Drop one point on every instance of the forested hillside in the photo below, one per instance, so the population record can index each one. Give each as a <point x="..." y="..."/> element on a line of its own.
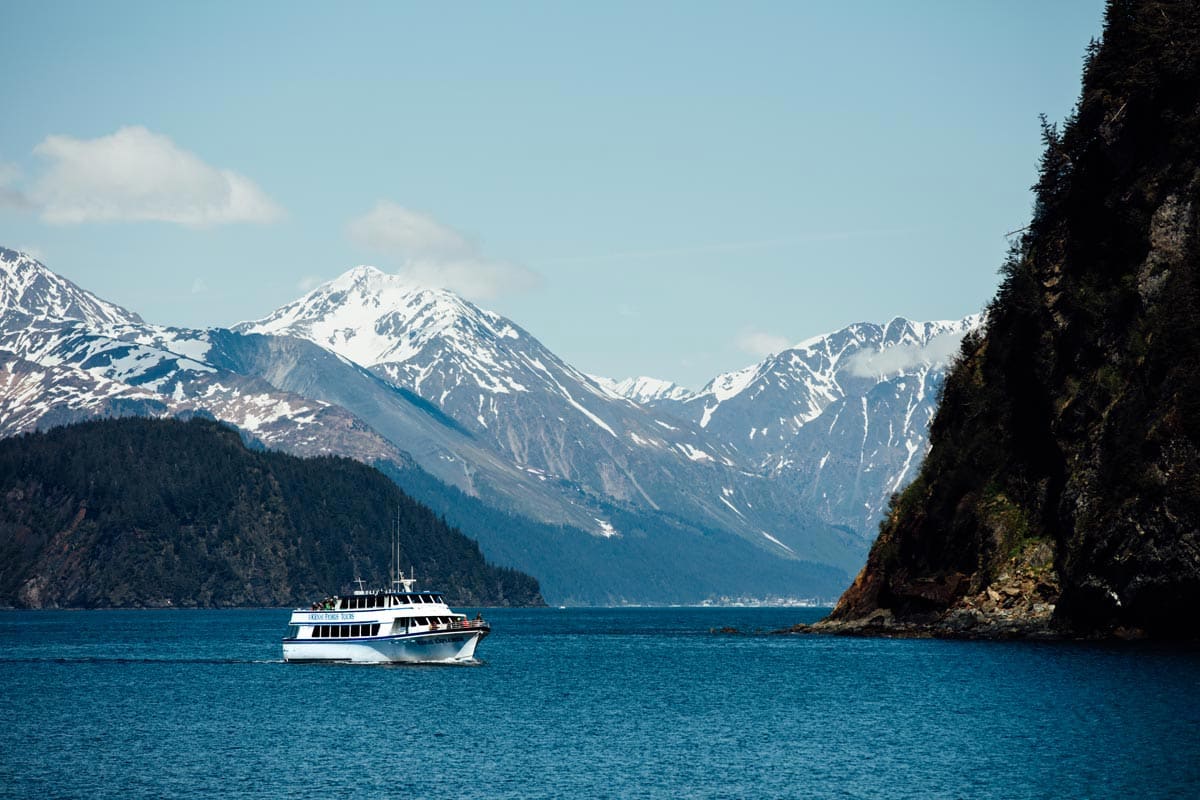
<point x="1062" y="492"/>
<point x="140" y="512"/>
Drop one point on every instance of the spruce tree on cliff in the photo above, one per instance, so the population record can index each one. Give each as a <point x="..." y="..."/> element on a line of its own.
<point x="1062" y="492"/>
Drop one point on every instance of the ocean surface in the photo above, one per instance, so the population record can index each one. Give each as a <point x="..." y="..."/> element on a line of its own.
<point x="586" y="703"/>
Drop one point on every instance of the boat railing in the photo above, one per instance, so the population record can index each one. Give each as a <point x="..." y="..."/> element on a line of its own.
<point x="461" y="625"/>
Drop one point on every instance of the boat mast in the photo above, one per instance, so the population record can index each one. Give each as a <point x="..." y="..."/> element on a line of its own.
<point x="399" y="582"/>
<point x="394" y="559"/>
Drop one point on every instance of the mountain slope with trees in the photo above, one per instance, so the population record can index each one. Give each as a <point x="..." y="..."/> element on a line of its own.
<point x="154" y="513"/>
<point x="1062" y="492"/>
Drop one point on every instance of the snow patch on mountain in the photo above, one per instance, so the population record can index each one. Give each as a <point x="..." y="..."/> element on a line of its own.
<point x="643" y="390"/>
<point x="373" y="317"/>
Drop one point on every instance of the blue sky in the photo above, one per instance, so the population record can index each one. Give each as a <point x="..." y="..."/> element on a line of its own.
<point x="666" y="189"/>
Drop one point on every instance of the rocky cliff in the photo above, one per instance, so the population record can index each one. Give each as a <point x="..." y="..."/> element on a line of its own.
<point x="1061" y="496"/>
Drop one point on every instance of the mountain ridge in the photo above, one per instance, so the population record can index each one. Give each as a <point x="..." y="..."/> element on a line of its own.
<point x="483" y="407"/>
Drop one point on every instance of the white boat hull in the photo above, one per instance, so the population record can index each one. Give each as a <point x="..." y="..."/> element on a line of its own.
<point x="440" y="647"/>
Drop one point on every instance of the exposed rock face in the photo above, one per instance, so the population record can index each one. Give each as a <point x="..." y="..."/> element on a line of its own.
<point x="1061" y="496"/>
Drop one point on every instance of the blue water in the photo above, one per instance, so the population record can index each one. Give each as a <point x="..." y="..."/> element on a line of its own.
<point x="631" y="703"/>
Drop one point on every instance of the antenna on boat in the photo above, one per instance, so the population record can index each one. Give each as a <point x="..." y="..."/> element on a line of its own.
<point x="399" y="582"/>
<point x="393" y="560"/>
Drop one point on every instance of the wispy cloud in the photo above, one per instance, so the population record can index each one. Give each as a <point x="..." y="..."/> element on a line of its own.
<point x="136" y="175"/>
<point x="734" y="247"/>
<point x="937" y="351"/>
<point x="33" y="251"/>
<point x="430" y="253"/>
<point x="308" y="283"/>
<point x="199" y="286"/>
<point x="408" y="234"/>
<point x="760" y="343"/>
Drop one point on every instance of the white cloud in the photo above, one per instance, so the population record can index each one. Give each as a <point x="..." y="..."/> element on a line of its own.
<point x="432" y="254"/>
<point x="199" y="286"/>
<point x="760" y="344"/>
<point x="937" y="351"/>
<point x="136" y="175"/>
<point x="308" y="283"/>
<point x="407" y="234"/>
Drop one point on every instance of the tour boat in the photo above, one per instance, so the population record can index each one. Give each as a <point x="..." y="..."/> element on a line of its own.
<point x="397" y="625"/>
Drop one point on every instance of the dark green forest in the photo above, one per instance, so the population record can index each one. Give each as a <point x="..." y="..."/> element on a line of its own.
<point x="157" y="513"/>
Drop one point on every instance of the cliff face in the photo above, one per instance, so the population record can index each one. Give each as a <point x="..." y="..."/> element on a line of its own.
<point x="1062" y="492"/>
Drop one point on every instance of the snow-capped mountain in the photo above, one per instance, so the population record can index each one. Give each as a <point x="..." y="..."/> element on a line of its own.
<point x="29" y="291"/>
<point x="67" y="355"/>
<point x="645" y="391"/>
<point x="70" y="362"/>
<point x="33" y="396"/>
<point x="761" y="407"/>
<point x="535" y="410"/>
<point x="842" y="417"/>
<point x="694" y="494"/>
